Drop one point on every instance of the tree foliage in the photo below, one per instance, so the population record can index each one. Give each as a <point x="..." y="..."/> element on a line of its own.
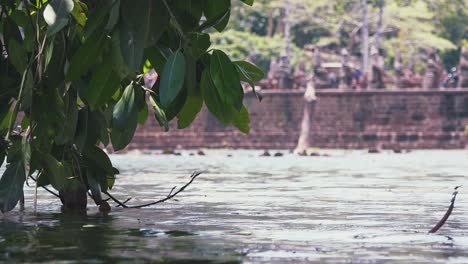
<point x="72" y="80"/>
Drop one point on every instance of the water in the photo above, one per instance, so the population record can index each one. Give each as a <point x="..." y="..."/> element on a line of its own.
<point x="352" y="207"/>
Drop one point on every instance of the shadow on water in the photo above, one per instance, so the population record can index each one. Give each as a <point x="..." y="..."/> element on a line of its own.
<point x="90" y="239"/>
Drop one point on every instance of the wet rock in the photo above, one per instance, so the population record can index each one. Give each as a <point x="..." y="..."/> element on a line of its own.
<point x="104" y="207"/>
<point x="265" y="154"/>
<point x="374" y="150"/>
<point x="315" y="154"/>
<point x="177" y="154"/>
<point x="303" y="153"/>
<point x="397" y="150"/>
<point x="192" y="154"/>
<point x="278" y="154"/>
<point x="200" y="153"/>
<point x="168" y="152"/>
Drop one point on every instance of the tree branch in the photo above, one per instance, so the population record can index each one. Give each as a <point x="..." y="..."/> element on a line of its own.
<point x="447" y="214"/>
<point x="171" y="195"/>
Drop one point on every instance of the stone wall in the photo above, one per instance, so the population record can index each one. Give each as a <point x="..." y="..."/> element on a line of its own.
<point x="404" y="119"/>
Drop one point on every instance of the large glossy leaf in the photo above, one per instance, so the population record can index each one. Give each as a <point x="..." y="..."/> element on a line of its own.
<point x="157" y="58"/>
<point x="193" y="105"/>
<point x="226" y="79"/>
<point x="85" y="56"/>
<point x="94" y="186"/>
<point x="241" y="120"/>
<point x="172" y="78"/>
<point x="81" y="134"/>
<point x="103" y="85"/>
<point x="248" y="2"/>
<point x="135" y="18"/>
<point x="213" y="100"/>
<point x="17" y="56"/>
<point x="56" y="14"/>
<point x="113" y="16"/>
<point x="217" y="12"/>
<point x="125" y="119"/>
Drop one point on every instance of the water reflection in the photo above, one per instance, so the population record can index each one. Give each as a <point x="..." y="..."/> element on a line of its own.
<point x="351" y="207"/>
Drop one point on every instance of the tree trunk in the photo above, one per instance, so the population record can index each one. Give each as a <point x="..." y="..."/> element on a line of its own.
<point x="309" y="107"/>
<point x="270" y="23"/>
<point x="364" y="37"/>
<point x="378" y="31"/>
<point x="74" y="197"/>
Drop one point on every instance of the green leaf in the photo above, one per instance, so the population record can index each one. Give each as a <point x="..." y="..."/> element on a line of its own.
<point x="248" y="2"/>
<point x="13" y="178"/>
<point x="191" y="108"/>
<point x="251" y="74"/>
<point x="159" y="114"/>
<point x="241" y="120"/>
<point x="157" y="58"/>
<point x="48" y="53"/>
<point x="125" y="119"/>
<point x="85" y="57"/>
<point x="17" y="56"/>
<point x="226" y="79"/>
<point x="200" y="43"/>
<point x="213" y="100"/>
<point x="143" y="114"/>
<point x="103" y="85"/>
<point x="81" y="134"/>
<point x="113" y="16"/>
<point x="116" y="57"/>
<point x="97" y="17"/>
<point x="55" y="170"/>
<point x="217" y="13"/>
<point x="158" y="22"/>
<point x="79" y="14"/>
<point x="172" y="78"/>
<point x="135" y="17"/>
<point x="67" y="133"/>
<point x="56" y="14"/>
<point x="190" y="79"/>
<point x="97" y="158"/>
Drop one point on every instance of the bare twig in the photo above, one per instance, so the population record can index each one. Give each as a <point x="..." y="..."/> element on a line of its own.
<point x="447" y="214"/>
<point x="126" y="201"/>
<point x="168" y="197"/>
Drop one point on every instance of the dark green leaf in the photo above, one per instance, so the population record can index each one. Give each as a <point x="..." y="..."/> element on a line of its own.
<point x="143" y="114"/>
<point x="81" y="134"/>
<point x="159" y="114"/>
<point x="226" y="79"/>
<point x="191" y="108"/>
<point x="135" y="18"/>
<point x="172" y="78"/>
<point x="217" y="13"/>
<point x="85" y="56"/>
<point x="158" y="22"/>
<point x="55" y="170"/>
<point x="103" y="85"/>
<point x="200" y="43"/>
<point x="113" y="16"/>
<point x="248" y="2"/>
<point x="116" y="58"/>
<point x="97" y="158"/>
<point x="157" y="58"/>
<point x="213" y="100"/>
<point x="251" y="74"/>
<point x="241" y="119"/>
<point x="67" y="133"/>
<point x="190" y="81"/>
<point x="125" y="119"/>
<point x="94" y="186"/>
<point x="17" y="56"/>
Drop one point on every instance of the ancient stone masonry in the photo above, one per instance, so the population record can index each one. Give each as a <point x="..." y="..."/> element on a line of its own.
<point x="463" y="69"/>
<point x="404" y="119"/>
<point x="432" y="76"/>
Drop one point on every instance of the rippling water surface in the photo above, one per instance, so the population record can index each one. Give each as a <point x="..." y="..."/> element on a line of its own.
<point x="352" y="207"/>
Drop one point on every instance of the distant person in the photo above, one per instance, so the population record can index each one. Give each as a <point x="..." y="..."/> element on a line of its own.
<point x="357" y="74"/>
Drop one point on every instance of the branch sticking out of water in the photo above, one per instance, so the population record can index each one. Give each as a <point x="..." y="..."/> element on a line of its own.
<point x="171" y="195"/>
<point x="447" y="214"/>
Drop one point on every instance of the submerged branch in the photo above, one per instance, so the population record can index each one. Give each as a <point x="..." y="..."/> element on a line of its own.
<point x="171" y="195"/>
<point x="447" y="214"/>
<point x="47" y="189"/>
